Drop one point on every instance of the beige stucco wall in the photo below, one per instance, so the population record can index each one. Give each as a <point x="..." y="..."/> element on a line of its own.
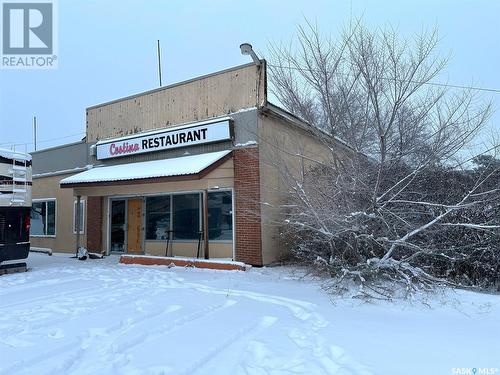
<point x="279" y="144"/>
<point x="189" y="249"/>
<point x="201" y="98"/>
<point x="221" y="177"/>
<point x="65" y="239"/>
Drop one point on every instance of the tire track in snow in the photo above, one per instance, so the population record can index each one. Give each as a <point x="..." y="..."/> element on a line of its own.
<point x="47" y="298"/>
<point x="68" y="309"/>
<point x="78" y="356"/>
<point x="40" y="285"/>
<point x="91" y="290"/>
<point x="76" y="342"/>
<point x="301" y="310"/>
<point x="126" y="324"/>
<point x="27" y="363"/>
<point x="96" y="309"/>
<point x="79" y="301"/>
<point x="74" y="349"/>
<point x="250" y="330"/>
<point x="170" y="327"/>
<point x="333" y="359"/>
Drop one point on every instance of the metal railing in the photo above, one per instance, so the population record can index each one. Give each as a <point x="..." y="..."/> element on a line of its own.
<point x="171" y="237"/>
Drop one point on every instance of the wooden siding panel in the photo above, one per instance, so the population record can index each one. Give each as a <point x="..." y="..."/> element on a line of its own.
<point x="195" y="100"/>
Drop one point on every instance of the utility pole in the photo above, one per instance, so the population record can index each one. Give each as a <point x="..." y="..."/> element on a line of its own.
<point x="159" y="60"/>
<point x="34" y="131"/>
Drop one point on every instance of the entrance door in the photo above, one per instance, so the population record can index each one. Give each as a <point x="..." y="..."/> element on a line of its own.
<point x="118" y="224"/>
<point x="134" y="232"/>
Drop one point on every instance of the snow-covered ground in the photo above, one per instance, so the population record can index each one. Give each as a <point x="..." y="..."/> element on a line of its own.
<point x="98" y="317"/>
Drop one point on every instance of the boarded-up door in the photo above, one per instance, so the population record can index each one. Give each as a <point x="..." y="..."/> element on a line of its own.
<point x="134" y="236"/>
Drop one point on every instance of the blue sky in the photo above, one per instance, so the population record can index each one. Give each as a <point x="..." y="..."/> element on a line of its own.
<point x="107" y="50"/>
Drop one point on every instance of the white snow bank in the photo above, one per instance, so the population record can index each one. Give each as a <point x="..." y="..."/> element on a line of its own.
<point x="43" y="250"/>
<point x="96" y="317"/>
<point x="149" y="169"/>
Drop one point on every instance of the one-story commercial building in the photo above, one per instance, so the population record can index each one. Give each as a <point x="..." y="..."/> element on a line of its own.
<point x="187" y="169"/>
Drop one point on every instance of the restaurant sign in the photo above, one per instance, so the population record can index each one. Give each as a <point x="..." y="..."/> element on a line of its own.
<point x="164" y="140"/>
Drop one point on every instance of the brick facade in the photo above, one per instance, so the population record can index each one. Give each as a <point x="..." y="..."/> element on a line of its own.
<point x="94" y="224"/>
<point x="247" y="204"/>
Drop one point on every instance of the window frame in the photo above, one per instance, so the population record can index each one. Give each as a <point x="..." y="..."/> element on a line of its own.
<point x="200" y="214"/>
<point x="200" y="192"/>
<point x="232" y="215"/>
<point x="45" y="200"/>
<point x="170" y="214"/>
<point x="82" y="202"/>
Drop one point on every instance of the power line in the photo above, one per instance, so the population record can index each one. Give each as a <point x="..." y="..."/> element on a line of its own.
<point x="43" y="141"/>
<point x="462" y="87"/>
<point x="424" y="83"/>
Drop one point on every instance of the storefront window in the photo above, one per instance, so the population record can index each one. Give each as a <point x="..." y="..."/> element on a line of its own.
<point x="157" y="217"/>
<point x="180" y="216"/>
<point x="186" y="216"/>
<point x="220" y="215"/>
<point x="43" y="218"/>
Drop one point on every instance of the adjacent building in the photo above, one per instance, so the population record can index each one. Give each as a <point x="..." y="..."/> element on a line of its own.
<point x="183" y="170"/>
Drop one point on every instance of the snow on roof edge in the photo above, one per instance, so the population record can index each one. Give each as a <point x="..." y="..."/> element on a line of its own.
<point x="183" y="165"/>
<point x="63" y="171"/>
<point x="9" y="154"/>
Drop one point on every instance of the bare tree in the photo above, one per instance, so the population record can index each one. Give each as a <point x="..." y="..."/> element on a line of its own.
<point x="381" y="212"/>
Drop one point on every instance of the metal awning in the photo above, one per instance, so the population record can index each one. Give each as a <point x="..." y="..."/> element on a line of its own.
<point x="181" y="168"/>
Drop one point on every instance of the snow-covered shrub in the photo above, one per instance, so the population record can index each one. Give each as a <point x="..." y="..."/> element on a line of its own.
<point x="402" y="207"/>
<point x="334" y="227"/>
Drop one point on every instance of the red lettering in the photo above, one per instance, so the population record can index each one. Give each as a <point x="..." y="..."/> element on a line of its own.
<point x="124" y="148"/>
